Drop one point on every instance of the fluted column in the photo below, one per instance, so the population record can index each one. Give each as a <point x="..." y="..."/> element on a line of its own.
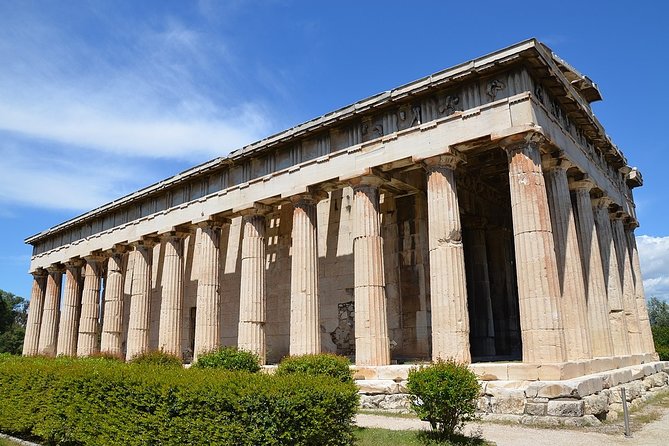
<point x="252" y="304"/>
<point x="597" y="301"/>
<point x="480" y="303"/>
<point x="68" y="328"/>
<point x="140" y="299"/>
<point x="639" y="294"/>
<point x="372" y="346"/>
<point x="172" y="299"/>
<point x="570" y="271"/>
<point x="207" y="316"/>
<point x="536" y="269"/>
<point x="31" y="339"/>
<point x="112" y="323"/>
<point x="612" y="277"/>
<point x="89" y="323"/>
<point x="305" y="334"/>
<point x="48" y="334"/>
<point x="627" y="282"/>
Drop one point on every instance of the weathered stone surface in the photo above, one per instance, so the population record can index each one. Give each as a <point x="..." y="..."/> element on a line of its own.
<point x="596" y="404"/>
<point x="566" y="408"/>
<point x="536" y="408"/>
<point x="377" y="386"/>
<point x="509" y="402"/>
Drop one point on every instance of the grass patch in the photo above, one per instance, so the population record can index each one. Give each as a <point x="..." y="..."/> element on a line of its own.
<point x="385" y="413"/>
<point x="7" y="442"/>
<point x="375" y="436"/>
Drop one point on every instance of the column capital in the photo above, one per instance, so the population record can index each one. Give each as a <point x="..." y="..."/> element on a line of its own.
<point x="144" y="243"/>
<point x="583" y="183"/>
<point x="39" y="272"/>
<point x="601" y="202"/>
<point x="448" y="160"/>
<point x="117" y="249"/>
<point x="211" y="221"/>
<point x="308" y="198"/>
<point x="95" y="258"/>
<point x="631" y="224"/>
<point x="74" y="263"/>
<point x="555" y="161"/>
<point x="55" y="268"/>
<point x="366" y="181"/>
<point x="256" y="209"/>
<point x="520" y="141"/>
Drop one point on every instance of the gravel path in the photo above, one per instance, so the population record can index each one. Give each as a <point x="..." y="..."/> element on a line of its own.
<point x="654" y="433"/>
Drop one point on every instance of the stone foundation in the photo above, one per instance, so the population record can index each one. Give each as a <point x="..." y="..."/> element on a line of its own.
<point x="582" y="400"/>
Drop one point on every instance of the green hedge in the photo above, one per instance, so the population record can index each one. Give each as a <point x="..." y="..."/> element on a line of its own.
<point x="102" y="402"/>
<point x="323" y="364"/>
<point x="229" y="358"/>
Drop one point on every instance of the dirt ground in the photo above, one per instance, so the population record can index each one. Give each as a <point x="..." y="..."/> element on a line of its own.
<point x="650" y="426"/>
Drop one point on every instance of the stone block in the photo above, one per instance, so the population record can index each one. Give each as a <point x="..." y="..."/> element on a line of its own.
<point x="513" y="402"/>
<point x="566" y="408"/>
<point x="538" y="409"/>
<point x="371" y="401"/>
<point x="598" y="365"/>
<point x="619" y="376"/>
<point x="523" y="372"/>
<point x="398" y="402"/>
<point x="637" y="372"/>
<point x="490" y="372"/>
<point x="394" y="372"/>
<point x="648" y="382"/>
<point x="377" y="386"/>
<point x="501" y="388"/>
<point x="595" y="404"/>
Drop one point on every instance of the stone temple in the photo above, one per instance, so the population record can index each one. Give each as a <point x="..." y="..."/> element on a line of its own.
<point x="480" y="213"/>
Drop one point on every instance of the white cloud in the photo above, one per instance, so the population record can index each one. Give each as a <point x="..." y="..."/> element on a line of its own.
<point x="150" y="96"/>
<point x="94" y="99"/>
<point x="654" y="258"/>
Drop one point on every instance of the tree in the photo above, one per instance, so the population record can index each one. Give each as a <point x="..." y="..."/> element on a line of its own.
<point x="658" y="312"/>
<point x="13" y="316"/>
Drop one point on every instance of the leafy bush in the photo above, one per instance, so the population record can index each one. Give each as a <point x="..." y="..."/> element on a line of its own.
<point x="156" y="358"/>
<point x="229" y="358"/>
<point x="324" y="364"/>
<point x="98" y="402"/>
<point x="661" y="339"/>
<point x="444" y="393"/>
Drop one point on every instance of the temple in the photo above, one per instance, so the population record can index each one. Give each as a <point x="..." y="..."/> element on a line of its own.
<point x="480" y="213"/>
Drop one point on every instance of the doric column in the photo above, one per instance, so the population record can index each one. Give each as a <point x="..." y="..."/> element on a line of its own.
<point x="480" y="303"/>
<point x="639" y="294"/>
<point x="570" y="271"/>
<point x="372" y="345"/>
<point x="140" y="299"/>
<point x="172" y="296"/>
<point x="48" y="334"/>
<point x="252" y="304"/>
<point x="536" y="269"/>
<point x="112" y="323"/>
<point x="612" y="277"/>
<point x="627" y="282"/>
<point x="68" y="328"/>
<point x="305" y="334"/>
<point x="89" y="323"/>
<point x="208" y="314"/>
<point x="31" y="339"/>
<point x="597" y="302"/>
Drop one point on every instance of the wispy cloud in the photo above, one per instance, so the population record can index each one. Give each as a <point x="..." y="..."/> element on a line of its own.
<point x="654" y="258"/>
<point x="89" y="98"/>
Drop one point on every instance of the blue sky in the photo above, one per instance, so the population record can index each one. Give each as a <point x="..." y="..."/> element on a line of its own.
<point x="98" y="99"/>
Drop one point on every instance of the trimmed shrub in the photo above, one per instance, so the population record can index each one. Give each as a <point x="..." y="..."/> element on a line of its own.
<point x="98" y="402"/>
<point x="156" y="358"/>
<point x="229" y="358"/>
<point x="323" y="364"/>
<point x="445" y="394"/>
